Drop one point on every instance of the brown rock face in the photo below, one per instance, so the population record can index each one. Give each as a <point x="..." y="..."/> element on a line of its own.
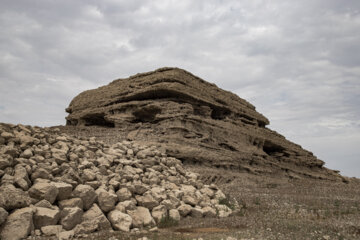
<point x="195" y="121"/>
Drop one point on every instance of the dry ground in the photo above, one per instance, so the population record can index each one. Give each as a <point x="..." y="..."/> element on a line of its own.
<point x="272" y="208"/>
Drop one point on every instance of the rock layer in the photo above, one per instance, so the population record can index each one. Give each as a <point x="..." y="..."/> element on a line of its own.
<point x="195" y="121"/>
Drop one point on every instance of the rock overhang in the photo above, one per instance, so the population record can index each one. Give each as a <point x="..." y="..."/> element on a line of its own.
<point x="195" y="121"/>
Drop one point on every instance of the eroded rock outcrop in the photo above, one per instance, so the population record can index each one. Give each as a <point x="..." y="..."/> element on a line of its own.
<point x="194" y="121"/>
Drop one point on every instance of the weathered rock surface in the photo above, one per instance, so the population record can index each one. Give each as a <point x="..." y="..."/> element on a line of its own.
<point x="13" y="198"/>
<point x="120" y="221"/>
<point x="3" y="215"/>
<point x="18" y="225"/>
<point x="44" y="190"/>
<point x="70" y="217"/>
<point x="128" y="191"/>
<point x="141" y="217"/>
<point x="45" y="217"/>
<point x="194" y="120"/>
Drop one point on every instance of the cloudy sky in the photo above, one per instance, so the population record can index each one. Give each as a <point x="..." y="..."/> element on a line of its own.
<point x="297" y="61"/>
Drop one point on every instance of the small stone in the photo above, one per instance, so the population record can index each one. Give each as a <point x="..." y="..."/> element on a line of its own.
<point x="27" y="153"/>
<point x="219" y="195"/>
<point x="37" y="232"/>
<point x="44" y="204"/>
<point x="66" y="235"/>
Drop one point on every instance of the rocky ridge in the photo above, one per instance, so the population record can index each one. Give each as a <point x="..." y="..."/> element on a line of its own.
<point x="52" y="184"/>
<point x="195" y="121"/>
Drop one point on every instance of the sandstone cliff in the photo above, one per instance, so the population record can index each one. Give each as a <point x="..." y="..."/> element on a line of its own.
<point x="195" y="121"/>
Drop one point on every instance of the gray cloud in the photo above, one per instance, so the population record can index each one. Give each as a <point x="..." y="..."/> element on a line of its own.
<point x="296" y="61"/>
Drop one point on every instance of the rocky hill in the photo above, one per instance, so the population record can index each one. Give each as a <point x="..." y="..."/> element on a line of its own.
<point x="194" y="121"/>
<point x="54" y="185"/>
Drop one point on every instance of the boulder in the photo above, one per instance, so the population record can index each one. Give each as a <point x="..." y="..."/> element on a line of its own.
<point x="51" y="230"/>
<point x="197" y="213"/>
<point x="21" y="178"/>
<point x="141" y="217"/>
<point x="126" y="205"/>
<point x="106" y="200"/>
<point x="13" y="198"/>
<point x="158" y="213"/>
<point x="45" y="217"/>
<point x="190" y="199"/>
<point x="147" y="201"/>
<point x="93" y="220"/>
<point x="70" y="217"/>
<point x="184" y="209"/>
<point x="209" y="212"/>
<point x="123" y="194"/>
<point x="120" y="221"/>
<point x="66" y="235"/>
<point x="41" y="173"/>
<point x="44" y="204"/>
<point x="44" y="190"/>
<point x="223" y="210"/>
<point x="64" y="190"/>
<point x="174" y="214"/>
<point x="27" y="153"/>
<point x="3" y="215"/>
<point x="18" y="225"/>
<point x="86" y="193"/>
<point x="71" y="203"/>
<point x="88" y="175"/>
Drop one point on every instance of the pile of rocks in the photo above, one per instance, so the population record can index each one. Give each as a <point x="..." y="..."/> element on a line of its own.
<point x="53" y="184"/>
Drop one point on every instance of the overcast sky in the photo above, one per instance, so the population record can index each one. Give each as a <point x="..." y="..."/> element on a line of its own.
<point x="298" y="62"/>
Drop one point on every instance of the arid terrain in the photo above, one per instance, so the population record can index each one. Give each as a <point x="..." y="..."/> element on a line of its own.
<point x="273" y="208"/>
<point x="167" y="155"/>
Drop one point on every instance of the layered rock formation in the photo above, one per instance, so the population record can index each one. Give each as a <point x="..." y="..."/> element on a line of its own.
<point x="194" y="121"/>
<point x="53" y="184"/>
